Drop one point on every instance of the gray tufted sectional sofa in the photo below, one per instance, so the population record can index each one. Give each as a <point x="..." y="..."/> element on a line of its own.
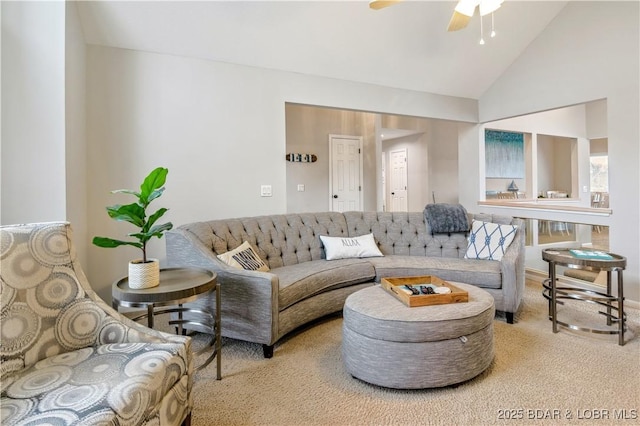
<point x="302" y="285"/>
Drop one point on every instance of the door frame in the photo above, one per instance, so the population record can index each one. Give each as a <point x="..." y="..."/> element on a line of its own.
<point x="360" y="166"/>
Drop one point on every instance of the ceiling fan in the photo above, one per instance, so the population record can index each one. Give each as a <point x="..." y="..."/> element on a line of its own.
<point x="462" y="14"/>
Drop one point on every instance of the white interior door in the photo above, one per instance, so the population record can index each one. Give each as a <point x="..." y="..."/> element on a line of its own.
<point x="346" y="173"/>
<point x="384" y="181"/>
<point x="398" y="180"/>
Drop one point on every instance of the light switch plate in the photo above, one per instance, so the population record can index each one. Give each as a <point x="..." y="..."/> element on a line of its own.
<point x="265" y="190"/>
<point x="300" y="187"/>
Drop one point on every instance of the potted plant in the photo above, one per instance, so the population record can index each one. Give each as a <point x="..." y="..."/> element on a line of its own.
<point x="144" y="272"/>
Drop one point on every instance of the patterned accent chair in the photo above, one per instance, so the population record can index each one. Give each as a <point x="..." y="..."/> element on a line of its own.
<point x="67" y="358"/>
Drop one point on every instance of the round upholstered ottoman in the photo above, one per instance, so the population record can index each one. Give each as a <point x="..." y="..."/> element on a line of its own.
<point x="386" y="343"/>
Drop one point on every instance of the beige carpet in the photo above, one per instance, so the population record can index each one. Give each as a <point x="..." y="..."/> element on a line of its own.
<point x="568" y="377"/>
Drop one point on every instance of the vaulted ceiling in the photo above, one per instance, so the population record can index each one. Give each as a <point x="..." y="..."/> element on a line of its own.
<point x="406" y="46"/>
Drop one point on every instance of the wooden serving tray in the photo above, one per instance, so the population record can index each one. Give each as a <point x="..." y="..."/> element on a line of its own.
<point x="391" y="285"/>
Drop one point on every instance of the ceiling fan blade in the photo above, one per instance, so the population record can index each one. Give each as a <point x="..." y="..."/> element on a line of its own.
<point x="458" y="21"/>
<point x="380" y="4"/>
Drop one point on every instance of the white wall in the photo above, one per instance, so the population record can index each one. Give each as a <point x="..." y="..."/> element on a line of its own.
<point x="75" y="132"/>
<point x="443" y="163"/>
<point x="596" y="117"/>
<point x="589" y="52"/>
<point x="219" y="128"/>
<point x="33" y="111"/>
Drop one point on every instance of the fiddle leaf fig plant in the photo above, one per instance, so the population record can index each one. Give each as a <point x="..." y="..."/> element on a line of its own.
<point x="136" y="214"/>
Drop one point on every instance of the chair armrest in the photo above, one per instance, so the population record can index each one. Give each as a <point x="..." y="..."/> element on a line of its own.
<point x="117" y="328"/>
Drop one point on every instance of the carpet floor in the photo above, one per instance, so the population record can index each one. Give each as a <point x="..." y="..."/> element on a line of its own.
<point x="536" y="377"/>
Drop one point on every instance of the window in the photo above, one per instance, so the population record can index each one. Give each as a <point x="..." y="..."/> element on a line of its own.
<point x="599" y="173"/>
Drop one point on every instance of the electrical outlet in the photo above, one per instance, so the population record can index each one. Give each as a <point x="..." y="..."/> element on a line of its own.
<point x="265" y="190"/>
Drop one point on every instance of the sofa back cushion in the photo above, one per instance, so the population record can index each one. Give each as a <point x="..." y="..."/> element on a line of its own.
<point x="279" y="240"/>
<point x="407" y="233"/>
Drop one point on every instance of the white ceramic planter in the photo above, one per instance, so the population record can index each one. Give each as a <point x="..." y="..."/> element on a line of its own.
<point x="144" y="275"/>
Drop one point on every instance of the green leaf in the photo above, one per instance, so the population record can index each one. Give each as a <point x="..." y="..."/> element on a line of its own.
<point x="155" y="194"/>
<point x="111" y="243"/>
<point x="126" y="191"/>
<point x="132" y="213"/>
<point x="153" y="218"/>
<point x="157" y="231"/>
<point x="143" y="237"/>
<point x="154" y="181"/>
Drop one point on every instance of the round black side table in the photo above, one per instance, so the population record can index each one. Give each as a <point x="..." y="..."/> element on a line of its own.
<point x="177" y="287"/>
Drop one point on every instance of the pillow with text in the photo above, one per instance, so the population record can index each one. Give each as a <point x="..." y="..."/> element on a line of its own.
<point x="349" y="247"/>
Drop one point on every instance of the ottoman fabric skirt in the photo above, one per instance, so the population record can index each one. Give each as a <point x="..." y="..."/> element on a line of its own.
<point x="417" y="365"/>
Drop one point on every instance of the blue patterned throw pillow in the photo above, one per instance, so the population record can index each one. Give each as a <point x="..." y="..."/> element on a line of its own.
<point x="489" y="240"/>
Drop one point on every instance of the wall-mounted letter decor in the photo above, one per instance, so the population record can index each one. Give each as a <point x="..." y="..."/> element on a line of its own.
<point x="302" y="158"/>
<point x="504" y="154"/>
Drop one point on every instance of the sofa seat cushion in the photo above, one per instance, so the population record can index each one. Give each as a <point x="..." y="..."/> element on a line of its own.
<point x="122" y="383"/>
<point x="304" y="280"/>
<point x="481" y="273"/>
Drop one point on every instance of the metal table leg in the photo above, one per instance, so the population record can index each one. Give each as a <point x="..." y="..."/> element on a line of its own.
<point x="621" y="316"/>
<point x="554" y="297"/>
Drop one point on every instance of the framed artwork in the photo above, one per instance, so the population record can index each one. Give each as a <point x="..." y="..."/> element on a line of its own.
<point x="504" y="154"/>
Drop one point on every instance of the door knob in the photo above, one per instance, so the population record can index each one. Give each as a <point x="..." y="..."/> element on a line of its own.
<point x="393" y="193"/>
<point x="335" y="195"/>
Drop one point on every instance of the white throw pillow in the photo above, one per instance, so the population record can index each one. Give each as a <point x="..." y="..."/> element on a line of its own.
<point x="244" y="257"/>
<point x="489" y="240"/>
<point x="347" y="247"/>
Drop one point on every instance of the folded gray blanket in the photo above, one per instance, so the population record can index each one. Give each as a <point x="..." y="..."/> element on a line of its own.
<point x="443" y="218"/>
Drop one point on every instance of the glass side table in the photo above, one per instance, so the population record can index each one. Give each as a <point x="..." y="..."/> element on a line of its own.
<point x="177" y="286"/>
<point x="614" y="304"/>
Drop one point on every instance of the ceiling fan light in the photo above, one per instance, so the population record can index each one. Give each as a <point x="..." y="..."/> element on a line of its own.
<point x="380" y="4"/>
<point x="489" y="6"/>
<point x="467" y="7"/>
<point x="493" y="27"/>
